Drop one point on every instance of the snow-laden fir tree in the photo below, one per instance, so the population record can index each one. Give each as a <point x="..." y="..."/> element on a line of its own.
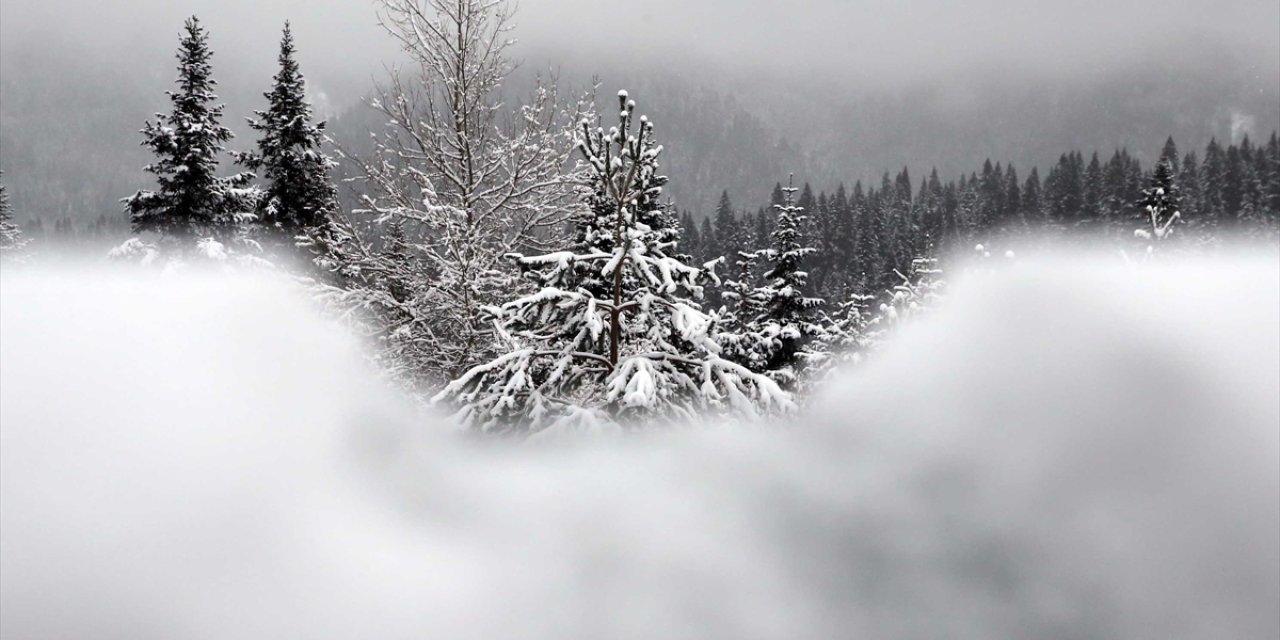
<point x="383" y="288"/>
<point x="299" y="198"/>
<point x="11" y="239"/>
<point x="738" y="287"/>
<point x="614" y="335"/>
<point x="740" y="303"/>
<point x="777" y="322"/>
<point x="192" y="201"/>
<point x="468" y="177"/>
<point x="917" y="291"/>
<point x="1161" y="204"/>
<point x="845" y="337"/>
<point x="859" y="327"/>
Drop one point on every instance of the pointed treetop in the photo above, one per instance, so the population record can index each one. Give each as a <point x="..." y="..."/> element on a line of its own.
<point x="790" y="188"/>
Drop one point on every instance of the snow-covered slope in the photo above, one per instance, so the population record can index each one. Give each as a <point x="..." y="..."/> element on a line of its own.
<point x="1060" y="451"/>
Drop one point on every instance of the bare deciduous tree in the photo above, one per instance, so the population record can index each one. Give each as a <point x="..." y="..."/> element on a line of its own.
<point x="466" y="177"/>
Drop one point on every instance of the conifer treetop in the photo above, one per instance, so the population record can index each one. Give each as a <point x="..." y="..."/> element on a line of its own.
<point x="299" y="197"/>
<point x="11" y="239"/>
<point x="615" y="333"/>
<point x="192" y="199"/>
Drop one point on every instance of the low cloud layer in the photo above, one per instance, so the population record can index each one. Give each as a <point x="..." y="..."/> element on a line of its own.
<point x="900" y="42"/>
<point x="1062" y="450"/>
<point x="880" y="41"/>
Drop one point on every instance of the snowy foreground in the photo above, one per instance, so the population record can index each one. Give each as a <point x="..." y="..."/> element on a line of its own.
<point x="1060" y="451"/>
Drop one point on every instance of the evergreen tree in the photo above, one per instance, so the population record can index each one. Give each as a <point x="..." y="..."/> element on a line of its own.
<point x="1013" y="217"/>
<point x="1212" y="174"/>
<point x="299" y="197"/>
<point x="11" y="239"/>
<point x="1068" y="189"/>
<point x="692" y="242"/>
<point x="192" y="200"/>
<point x="763" y="228"/>
<point x="806" y="201"/>
<point x="1170" y="153"/>
<point x="1233" y="185"/>
<point x="1189" y="182"/>
<point x="1273" y="176"/>
<point x="856" y="330"/>
<point x="817" y="227"/>
<point x="776" y="196"/>
<point x="1115" y="178"/>
<point x="744" y="236"/>
<point x="867" y="263"/>
<point x="840" y="241"/>
<point x="844" y="338"/>
<point x="1135" y="182"/>
<point x="988" y="203"/>
<point x="726" y="225"/>
<point x="707" y="237"/>
<point x="915" y="292"/>
<point x="1032" y="204"/>
<point x="1092" y="192"/>
<point x="1161" y="204"/>
<point x="931" y="213"/>
<point x="778" y="319"/>
<point x="902" y="218"/>
<point x="887" y="220"/>
<point x="968" y="204"/>
<point x="613" y="335"/>
<point x="1252" y="205"/>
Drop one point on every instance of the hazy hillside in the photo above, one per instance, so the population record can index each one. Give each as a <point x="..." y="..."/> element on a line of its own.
<point x="743" y="132"/>
<point x="69" y="142"/>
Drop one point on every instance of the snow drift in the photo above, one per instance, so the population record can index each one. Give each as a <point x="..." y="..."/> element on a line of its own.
<point x="1060" y="451"/>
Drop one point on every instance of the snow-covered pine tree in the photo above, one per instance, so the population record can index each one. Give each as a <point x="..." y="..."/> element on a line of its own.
<point x="11" y="239"/>
<point x="867" y="262"/>
<point x="614" y="335"/>
<point x="918" y="290"/>
<point x="854" y="330"/>
<point x="741" y="303"/>
<point x="1161" y="204"/>
<point x="468" y="179"/>
<point x="844" y="337"/>
<point x="192" y="201"/>
<point x="380" y="283"/>
<point x="778" y="322"/>
<point x="299" y="198"/>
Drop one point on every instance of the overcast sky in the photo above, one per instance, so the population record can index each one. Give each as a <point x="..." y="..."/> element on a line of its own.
<point x="884" y="41"/>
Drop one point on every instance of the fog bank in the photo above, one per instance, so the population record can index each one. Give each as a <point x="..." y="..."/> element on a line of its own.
<point x="878" y="41"/>
<point x="1062" y="450"/>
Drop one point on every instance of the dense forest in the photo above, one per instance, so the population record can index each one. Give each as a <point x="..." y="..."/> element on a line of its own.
<point x="521" y="255"/>
<point x="69" y="117"/>
<point x="863" y="233"/>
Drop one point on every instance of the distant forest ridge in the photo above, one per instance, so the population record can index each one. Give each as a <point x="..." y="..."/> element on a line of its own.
<point x="69" y="128"/>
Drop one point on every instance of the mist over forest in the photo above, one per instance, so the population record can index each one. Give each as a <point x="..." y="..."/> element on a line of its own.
<point x="752" y="95"/>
